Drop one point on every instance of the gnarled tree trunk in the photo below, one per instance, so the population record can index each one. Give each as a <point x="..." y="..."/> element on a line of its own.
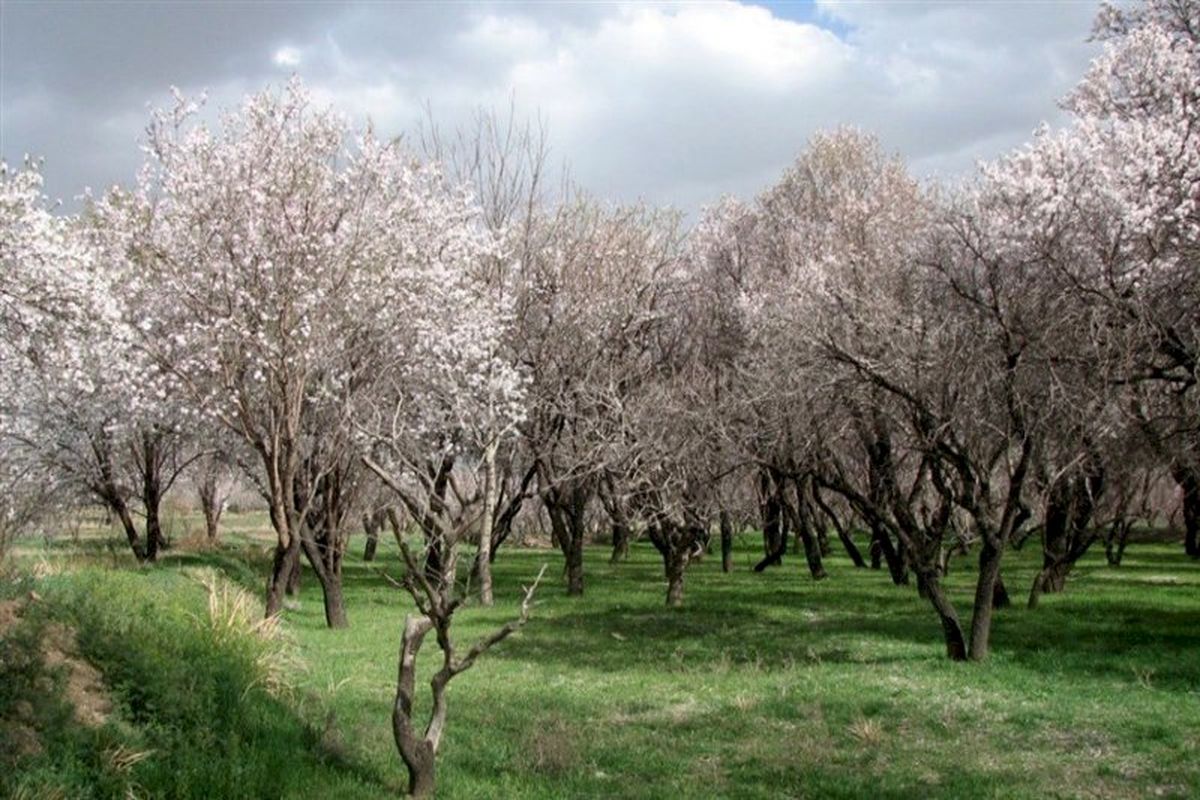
<point x="802" y="519"/>
<point x="483" y="560"/>
<point x="417" y="749"/>
<point x="373" y="523"/>
<point x="843" y="536"/>
<point x="326" y="563"/>
<point x="956" y="647"/>
<point x="1066" y="531"/>
<point x="435" y="566"/>
<point x="211" y="509"/>
<point x="985" y="603"/>
<point x="152" y="495"/>
<point x="567" y="508"/>
<point x="1188" y="478"/>
<point x="726" y="542"/>
<point x="676" y="543"/>
<point x="114" y="500"/>
<point x="416" y="752"/>
<point x="284" y="577"/>
<point x="118" y="506"/>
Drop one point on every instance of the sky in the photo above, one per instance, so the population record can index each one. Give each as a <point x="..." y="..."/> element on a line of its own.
<point x="674" y="104"/>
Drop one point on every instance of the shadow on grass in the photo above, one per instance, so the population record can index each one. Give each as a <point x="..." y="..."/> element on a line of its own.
<point x="1104" y="625"/>
<point x="1095" y="629"/>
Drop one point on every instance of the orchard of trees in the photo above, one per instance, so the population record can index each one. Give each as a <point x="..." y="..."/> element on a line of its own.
<point x="431" y="342"/>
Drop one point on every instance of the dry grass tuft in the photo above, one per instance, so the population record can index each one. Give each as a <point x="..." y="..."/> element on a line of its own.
<point x="39" y="793"/>
<point x="46" y="568"/>
<point x="234" y="616"/>
<point x="195" y="542"/>
<point x="744" y="702"/>
<point x="551" y="747"/>
<point x="123" y="759"/>
<point x="867" y="732"/>
<point x="1144" y="676"/>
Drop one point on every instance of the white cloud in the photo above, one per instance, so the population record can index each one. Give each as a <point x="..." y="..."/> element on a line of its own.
<point x="286" y="57"/>
<point x="676" y="103"/>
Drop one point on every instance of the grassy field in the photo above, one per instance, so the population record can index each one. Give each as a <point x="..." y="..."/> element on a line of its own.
<point x="762" y="686"/>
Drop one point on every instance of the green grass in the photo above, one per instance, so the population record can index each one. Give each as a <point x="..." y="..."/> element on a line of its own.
<point x="761" y="686"/>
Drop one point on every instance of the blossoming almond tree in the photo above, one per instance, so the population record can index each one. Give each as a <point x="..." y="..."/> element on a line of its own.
<point x="38" y="305"/>
<point x="83" y="406"/>
<point x="268" y="241"/>
<point x="1112" y="201"/>
<point x="444" y="393"/>
<point x="587" y="309"/>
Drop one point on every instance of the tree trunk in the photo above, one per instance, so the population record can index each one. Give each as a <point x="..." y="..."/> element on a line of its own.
<point x="503" y="527"/>
<point x="803" y="522"/>
<point x="726" y="542"/>
<point x="1066" y="530"/>
<point x="775" y="514"/>
<point x="774" y="537"/>
<point x="483" y="561"/>
<point x="882" y="545"/>
<point x="676" y="566"/>
<point x="566" y="511"/>
<point x="286" y="560"/>
<point x="395" y="523"/>
<point x="985" y="592"/>
<point x="1114" y="546"/>
<point x="504" y="524"/>
<point x="131" y="531"/>
<point x="334" y="599"/>
<point x="117" y="505"/>
<point x="435" y="567"/>
<point x="371" y="525"/>
<point x="575" y="563"/>
<point x="114" y="501"/>
<point x="210" y="505"/>
<point x="842" y="534"/>
<point x="822" y="534"/>
<point x="956" y="648"/>
<point x="212" y="527"/>
<point x="327" y="568"/>
<point x="558" y="528"/>
<point x="880" y="476"/>
<point x="151" y="494"/>
<point x="212" y="523"/>
<point x="675" y="544"/>
<point x="416" y="751"/>
<point x="812" y="552"/>
<point x="335" y="602"/>
<point x="422" y="774"/>
<point x="323" y="548"/>
<point x="1000" y="598"/>
<point x="922" y="587"/>
<point x="620" y="542"/>
<point x="154" y="534"/>
<point x="1055" y="527"/>
<point x="615" y="507"/>
<point x="772" y="558"/>
<point x="295" y="573"/>
<point x="1188" y="479"/>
